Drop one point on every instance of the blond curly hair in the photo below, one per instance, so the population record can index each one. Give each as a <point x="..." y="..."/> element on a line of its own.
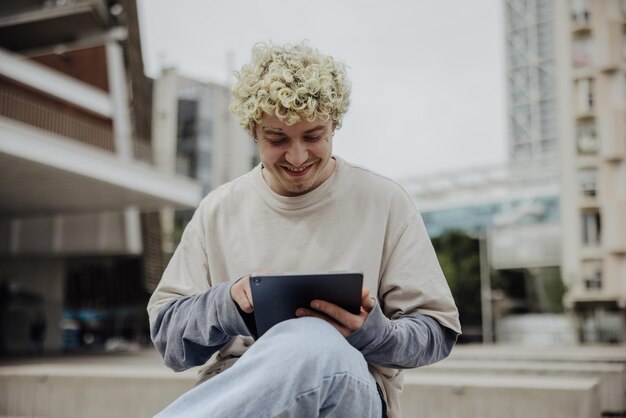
<point x="290" y="81"/>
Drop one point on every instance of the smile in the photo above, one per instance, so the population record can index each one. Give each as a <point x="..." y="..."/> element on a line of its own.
<point x="297" y="171"/>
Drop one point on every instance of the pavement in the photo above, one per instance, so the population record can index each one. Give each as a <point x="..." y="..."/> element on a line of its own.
<point x="136" y="383"/>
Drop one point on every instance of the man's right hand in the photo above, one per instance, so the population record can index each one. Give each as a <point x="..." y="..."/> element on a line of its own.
<point x="240" y="293"/>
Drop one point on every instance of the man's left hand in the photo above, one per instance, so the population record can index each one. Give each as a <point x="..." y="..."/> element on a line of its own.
<point x="345" y="322"/>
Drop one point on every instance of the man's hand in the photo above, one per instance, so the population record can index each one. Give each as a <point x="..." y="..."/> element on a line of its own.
<point x="240" y="292"/>
<point x="345" y="322"/>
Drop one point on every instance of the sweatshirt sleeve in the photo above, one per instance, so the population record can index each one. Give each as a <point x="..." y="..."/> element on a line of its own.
<point x="188" y="330"/>
<point x="190" y="318"/>
<point x="407" y="342"/>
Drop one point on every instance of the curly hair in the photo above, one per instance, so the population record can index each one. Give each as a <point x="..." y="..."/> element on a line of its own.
<point x="290" y="81"/>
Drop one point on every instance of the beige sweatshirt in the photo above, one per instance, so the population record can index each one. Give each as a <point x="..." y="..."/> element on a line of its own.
<point x="355" y="221"/>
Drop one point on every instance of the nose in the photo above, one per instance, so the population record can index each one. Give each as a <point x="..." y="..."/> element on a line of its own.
<point x="297" y="154"/>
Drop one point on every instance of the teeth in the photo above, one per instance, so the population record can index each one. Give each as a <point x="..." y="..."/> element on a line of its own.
<point x="297" y="170"/>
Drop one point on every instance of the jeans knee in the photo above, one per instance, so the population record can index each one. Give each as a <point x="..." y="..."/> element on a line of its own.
<point x="313" y="343"/>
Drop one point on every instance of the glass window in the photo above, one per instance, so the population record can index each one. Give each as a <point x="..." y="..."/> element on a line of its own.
<point x="586" y="138"/>
<point x="580" y="12"/>
<point x="587" y="182"/>
<point x="591" y="228"/>
<point x="581" y="51"/>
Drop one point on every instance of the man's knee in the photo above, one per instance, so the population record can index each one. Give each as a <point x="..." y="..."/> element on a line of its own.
<point x="312" y="342"/>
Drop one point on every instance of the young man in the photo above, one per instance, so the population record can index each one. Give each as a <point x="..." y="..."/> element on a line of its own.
<point x="302" y="209"/>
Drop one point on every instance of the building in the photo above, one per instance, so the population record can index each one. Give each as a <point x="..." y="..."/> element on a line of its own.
<point x="591" y="62"/>
<point x="192" y="121"/>
<point x="514" y="212"/>
<point x="80" y="190"/>
<point x="530" y="77"/>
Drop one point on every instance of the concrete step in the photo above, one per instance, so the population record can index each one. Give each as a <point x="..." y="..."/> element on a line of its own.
<point x="89" y="390"/>
<point x="496" y="396"/>
<point x="577" y="353"/>
<point x="611" y="376"/>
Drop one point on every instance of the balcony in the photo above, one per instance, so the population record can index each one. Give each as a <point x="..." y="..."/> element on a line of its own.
<point x="26" y="25"/>
<point x="581" y="22"/>
<point x="43" y="112"/>
<point x="46" y="173"/>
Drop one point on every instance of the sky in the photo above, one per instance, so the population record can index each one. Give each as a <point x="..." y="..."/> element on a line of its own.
<point x="428" y="77"/>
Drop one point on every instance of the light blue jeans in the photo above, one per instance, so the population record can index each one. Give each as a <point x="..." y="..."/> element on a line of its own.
<point x="299" y="368"/>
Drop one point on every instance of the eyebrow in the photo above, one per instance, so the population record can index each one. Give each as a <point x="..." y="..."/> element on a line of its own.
<point x="270" y="129"/>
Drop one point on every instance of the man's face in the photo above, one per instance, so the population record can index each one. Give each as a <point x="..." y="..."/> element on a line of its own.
<point x="297" y="158"/>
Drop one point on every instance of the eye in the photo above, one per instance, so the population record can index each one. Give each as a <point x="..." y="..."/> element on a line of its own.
<point x="277" y="141"/>
<point x="312" y="138"/>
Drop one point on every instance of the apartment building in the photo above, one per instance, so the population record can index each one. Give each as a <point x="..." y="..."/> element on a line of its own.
<point x="80" y="184"/>
<point x="591" y="62"/>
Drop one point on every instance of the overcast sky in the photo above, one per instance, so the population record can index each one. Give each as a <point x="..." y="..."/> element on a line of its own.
<point x="427" y="76"/>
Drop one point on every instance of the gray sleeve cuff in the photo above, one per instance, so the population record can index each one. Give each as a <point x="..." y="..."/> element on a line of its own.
<point x="367" y="338"/>
<point x="230" y="319"/>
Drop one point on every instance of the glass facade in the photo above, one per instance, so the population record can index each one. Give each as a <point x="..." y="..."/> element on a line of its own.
<point x="473" y="219"/>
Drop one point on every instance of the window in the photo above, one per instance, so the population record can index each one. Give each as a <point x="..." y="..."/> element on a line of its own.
<point x="586" y="138"/>
<point x="591" y="228"/>
<point x="580" y="12"/>
<point x="588" y="182"/>
<point x="592" y="274"/>
<point x="581" y="51"/>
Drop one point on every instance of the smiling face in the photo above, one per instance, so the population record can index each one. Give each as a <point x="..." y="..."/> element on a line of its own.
<point x="296" y="159"/>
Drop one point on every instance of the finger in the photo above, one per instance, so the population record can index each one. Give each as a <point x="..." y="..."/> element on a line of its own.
<point x="238" y="294"/>
<point x="248" y="293"/>
<point x="343" y="317"/>
<point x="367" y="302"/>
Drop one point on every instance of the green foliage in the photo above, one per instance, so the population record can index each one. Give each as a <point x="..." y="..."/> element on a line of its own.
<point x="459" y="256"/>
<point x="554" y="290"/>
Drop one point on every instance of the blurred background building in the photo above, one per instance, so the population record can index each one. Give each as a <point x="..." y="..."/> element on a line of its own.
<point x="591" y="60"/>
<point x="557" y="210"/>
<point x="86" y="177"/>
<point x="102" y="167"/>
<point x="214" y="148"/>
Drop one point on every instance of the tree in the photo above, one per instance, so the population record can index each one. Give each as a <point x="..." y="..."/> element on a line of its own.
<point x="459" y="256"/>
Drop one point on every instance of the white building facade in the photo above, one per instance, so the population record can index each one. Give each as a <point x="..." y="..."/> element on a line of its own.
<point x="591" y="60"/>
<point x="78" y="185"/>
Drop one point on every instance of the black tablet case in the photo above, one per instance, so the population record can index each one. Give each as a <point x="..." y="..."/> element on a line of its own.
<point x="276" y="297"/>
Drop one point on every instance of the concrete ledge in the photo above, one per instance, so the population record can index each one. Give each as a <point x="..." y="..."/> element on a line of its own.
<point x="489" y="396"/>
<point x="111" y="393"/>
<point x="592" y="353"/>
<point x="611" y="376"/>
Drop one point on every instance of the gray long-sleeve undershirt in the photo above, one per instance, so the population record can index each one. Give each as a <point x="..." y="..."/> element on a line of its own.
<point x="189" y="330"/>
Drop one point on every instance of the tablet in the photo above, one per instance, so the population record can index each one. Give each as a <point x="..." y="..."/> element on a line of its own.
<point x="277" y="296"/>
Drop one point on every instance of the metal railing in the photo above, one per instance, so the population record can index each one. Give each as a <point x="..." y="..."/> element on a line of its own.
<point x="45" y="116"/>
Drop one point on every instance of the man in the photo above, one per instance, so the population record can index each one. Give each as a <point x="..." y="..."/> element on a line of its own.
<point x="302" y="209"/>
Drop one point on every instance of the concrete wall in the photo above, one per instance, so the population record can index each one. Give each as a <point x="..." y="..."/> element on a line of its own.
<point x="611" y="377"/>
<point x="108" y="393"/>
<point x="450" y="395"/>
